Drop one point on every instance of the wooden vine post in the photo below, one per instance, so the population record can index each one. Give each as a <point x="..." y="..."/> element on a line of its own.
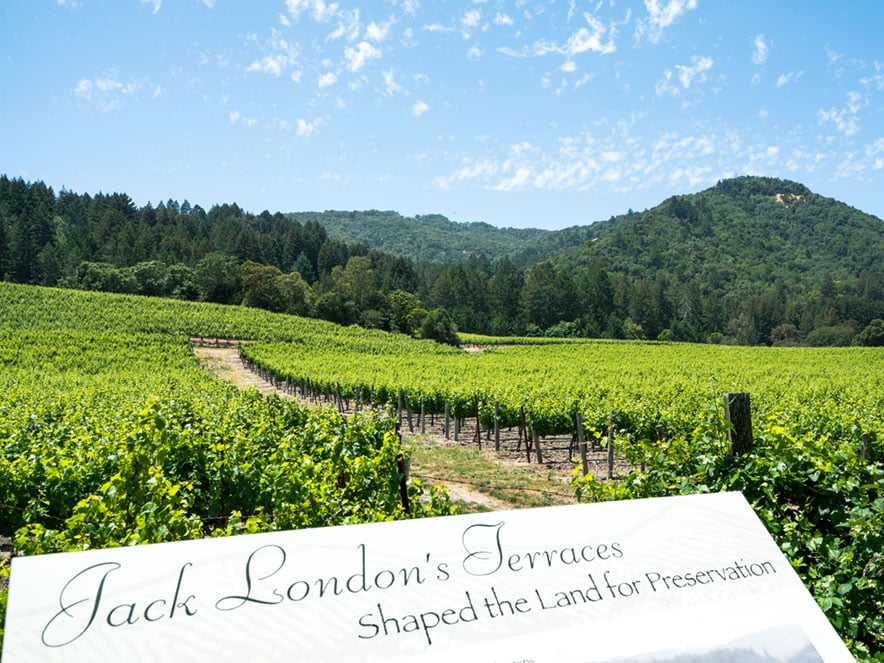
<point x="865" y="447"/>
<point x="535" y="438"/>
<point x="408" y="414"/>
<point x="478" y="436"/>
<point x="497" y="426"/>
<point x="581" y="443"/>
<point x="738" y="412"/>
<point x="611" y="446"/>
<point x="403" y="466"/>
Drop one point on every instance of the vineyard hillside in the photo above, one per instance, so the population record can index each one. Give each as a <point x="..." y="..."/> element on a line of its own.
<point x="111" y="434"/>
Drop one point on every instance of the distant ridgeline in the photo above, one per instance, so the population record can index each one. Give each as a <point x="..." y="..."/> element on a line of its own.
<point x="749" y="261"/>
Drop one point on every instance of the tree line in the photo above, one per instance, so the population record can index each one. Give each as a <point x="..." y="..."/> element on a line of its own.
<point x="277" y="262"/>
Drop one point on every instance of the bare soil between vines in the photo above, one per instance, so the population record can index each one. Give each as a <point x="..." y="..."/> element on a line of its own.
<point x="221" y="359"/>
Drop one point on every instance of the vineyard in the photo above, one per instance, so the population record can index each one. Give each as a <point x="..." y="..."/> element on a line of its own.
<point x="112" y="435"/>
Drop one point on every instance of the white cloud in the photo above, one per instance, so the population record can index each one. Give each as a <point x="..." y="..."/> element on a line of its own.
<point x="306" y="128"/>
<point x="686" y="75"/>
<point x="419" y="108"/>
<point x="108" y="94"/>
<point x="475" y="53"/>
<point x="236" y="117"/>
<point x="502" y="19"/>
<point x="70" y="4"/>
<point x="156" y="4"/>
<point x="569" y="67"/>
<point x="762" y="50"/>
<point x="285" y="55"/>
<point x="349" y="26"/>
<point x="436" y="27"/>
<point x="661" y="17"/>
<point x="411" y="6"/>
<point x="516" y="182"/>
<point x="327" y="80"/>
<point x="471" y="18"/>
<point x="359" y="56"/>
<point x="377" y="33"/>
<point x="318" y="10"/>
<point x="391" y="87"/>
<point x="580" y="41"/>
<point x="845" y="119"/>
<point x="269" y="64"/>
<point x="506" y="50"/>
<point x="591" y="40"/>
<point x="875" y="152"/>
<point x="785" y="79"/>
<point x="697" y="70"/>
<point x="208" y="3"/>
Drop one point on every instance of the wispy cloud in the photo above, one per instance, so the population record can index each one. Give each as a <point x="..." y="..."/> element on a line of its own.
<point x="846" y="118"/>
<point x="70" y="4"/>
<point x="349" y="26"/>
<point x="597" y="38"/>
<point x="284" y="56"/>
<point x="437" y="27"/>
<point x="108" y="93"/>
<point x="327" y="79"/>
<point x="790" y="77"/>
<point x="155" y="4"/>
<point x="661" y="17"/>
<point x="318" y="10"/>
<point x="306" y="128"/>
<point x="621" y="161"/>
<point x="876" y="80"/>
<point x="686" y="75"/>
<point x="875" y="152"/>
<point x="471" y="18"/>
<point x="358" y="57"/>
<point x="761" y="50"/>
<point x="236" y="117"/>
<point x="377" y="32"/>
<point x="590" y="39"/>
<point x="419" y="108"/>
<point x="391" y="87"/>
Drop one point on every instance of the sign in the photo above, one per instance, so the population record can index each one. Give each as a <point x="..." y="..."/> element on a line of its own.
<point x="638" y="580"/>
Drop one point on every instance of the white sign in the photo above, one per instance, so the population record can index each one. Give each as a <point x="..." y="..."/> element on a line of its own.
<point x="627" y="581"/>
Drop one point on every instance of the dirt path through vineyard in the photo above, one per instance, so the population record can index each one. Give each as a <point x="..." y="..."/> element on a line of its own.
<point x="223" y="362"/>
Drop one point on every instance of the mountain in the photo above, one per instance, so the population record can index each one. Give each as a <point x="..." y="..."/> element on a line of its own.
<point x="740" y="236"/>
<point x="738" y="232"/>
<point x="750" y="260"/>
<point x="430" y="238"/>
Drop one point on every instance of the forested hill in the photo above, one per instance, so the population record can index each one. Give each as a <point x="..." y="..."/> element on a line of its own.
<point x="744" y="231"/>
<point x="751" y="260"/>
<point x="430" y="238"/>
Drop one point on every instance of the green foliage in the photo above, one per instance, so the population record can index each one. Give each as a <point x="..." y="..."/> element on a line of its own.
<point x="873" y="334"/>
<point x="819" y="499"/>
<point x="438" y="326"/>
<point x="111" y="435"/>
<point x="427" y="238"/>
<point x="762" y="260"/>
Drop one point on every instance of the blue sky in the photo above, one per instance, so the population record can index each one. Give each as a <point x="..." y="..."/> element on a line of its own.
<point x="513" y="112"/>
